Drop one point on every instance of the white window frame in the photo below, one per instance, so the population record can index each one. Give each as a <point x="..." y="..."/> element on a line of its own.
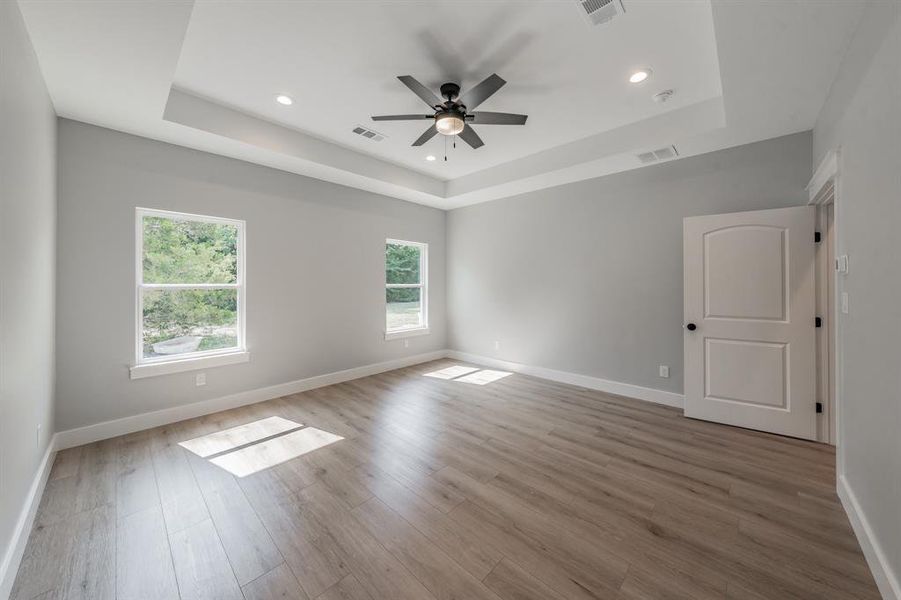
<point x="148" y="367"/>
<point x="423" y="286"/>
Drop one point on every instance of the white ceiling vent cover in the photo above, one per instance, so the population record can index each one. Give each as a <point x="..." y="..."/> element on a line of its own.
<point x="598" y="12"/>
<point x="375" y="136"/>
<point x="653" y="156"/>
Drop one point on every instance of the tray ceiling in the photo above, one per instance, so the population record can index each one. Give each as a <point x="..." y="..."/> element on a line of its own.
<point x="205" y="74"/>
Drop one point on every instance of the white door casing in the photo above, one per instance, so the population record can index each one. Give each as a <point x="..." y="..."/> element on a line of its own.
<point x="750" y="291"/>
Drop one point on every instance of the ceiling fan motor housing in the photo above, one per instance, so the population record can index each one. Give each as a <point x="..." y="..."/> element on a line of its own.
<point x="450" y="90"/>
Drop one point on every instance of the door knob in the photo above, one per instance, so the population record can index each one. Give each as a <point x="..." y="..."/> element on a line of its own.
<point x="691" y="327"/>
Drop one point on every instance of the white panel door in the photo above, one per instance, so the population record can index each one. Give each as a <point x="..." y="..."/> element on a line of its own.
<point x="749" y="320"/>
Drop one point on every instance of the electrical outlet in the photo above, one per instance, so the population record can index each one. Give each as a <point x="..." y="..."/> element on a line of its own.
<point x="38" y="440"/>
<point x="200" y="379"/>
<point x="845" y="302"/>
<point x="497" y="345"/>
<point x="406" y="343"/>
<point x="664" y="371"/>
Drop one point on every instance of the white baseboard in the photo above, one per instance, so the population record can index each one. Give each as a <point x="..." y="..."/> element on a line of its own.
<point x="13" y="556"/>
<point x="886" y="580"/>
<point x="585" y="381"/>
<point x="109" y="429"/>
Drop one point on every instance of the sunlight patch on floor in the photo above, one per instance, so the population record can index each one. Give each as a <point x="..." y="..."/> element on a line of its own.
<point x="468" y="374"/>
<point x="451" y="372"/>
<point x="483" y="377"/>
<point x="254" y="447"/>
<point x="258" y="457"/>
<point x="229" y="439"/>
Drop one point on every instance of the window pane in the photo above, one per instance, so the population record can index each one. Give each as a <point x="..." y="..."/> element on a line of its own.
<point x="178" y="251"/>
<point x="401" y="263"/>
<point x="404" y="308"/>
<point x="181" y="321"/>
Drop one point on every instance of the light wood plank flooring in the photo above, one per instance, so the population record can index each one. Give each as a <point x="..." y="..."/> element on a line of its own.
<point x="403" y="486"/>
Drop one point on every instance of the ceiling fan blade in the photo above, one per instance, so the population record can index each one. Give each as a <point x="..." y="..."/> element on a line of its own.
<point x="494" y="118"/>
<point x="420" y="90"/>
<point x="481" y="92"/>
<point x="470" y="136"/>
<point x="402" y="117"/>
<point x="429" y="134"/>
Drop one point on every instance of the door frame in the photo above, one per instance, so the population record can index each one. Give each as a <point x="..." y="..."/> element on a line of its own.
<point x="824" y="192"/>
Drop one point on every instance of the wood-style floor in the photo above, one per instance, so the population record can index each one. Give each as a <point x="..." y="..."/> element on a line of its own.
<point x="518" y="489"/>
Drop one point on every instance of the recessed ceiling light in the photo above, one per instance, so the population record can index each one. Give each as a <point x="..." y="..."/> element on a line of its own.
<point x="430" y="157"/>
<point x="639" y="76"/>
<point x="286" y="100"/>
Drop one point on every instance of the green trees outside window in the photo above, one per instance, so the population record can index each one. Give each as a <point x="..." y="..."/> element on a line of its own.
<point x="404" y="266"/>
<point x="189" y="286"/>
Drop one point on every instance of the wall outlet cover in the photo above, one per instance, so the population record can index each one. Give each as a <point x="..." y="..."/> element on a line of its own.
<point x="841" y="264"/>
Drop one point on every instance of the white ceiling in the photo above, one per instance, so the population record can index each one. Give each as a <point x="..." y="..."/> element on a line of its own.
<point x="341" y="66"/>
<point x="204" y="74"/>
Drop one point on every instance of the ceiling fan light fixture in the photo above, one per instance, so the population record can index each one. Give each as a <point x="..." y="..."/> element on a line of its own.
<point x="449" y="123"/>
<point x="284" y="100"/>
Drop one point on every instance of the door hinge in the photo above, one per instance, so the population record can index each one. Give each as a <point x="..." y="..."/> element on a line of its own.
<point x="819" y="407"/>
<point x="818" y="321"/>
<point x="816" y="237"/>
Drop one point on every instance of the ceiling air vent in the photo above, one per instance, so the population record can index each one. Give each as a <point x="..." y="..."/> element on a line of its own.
<point x="375" y="136"/>
<point x="598" y="12"/>
<point x="653" y="156"/>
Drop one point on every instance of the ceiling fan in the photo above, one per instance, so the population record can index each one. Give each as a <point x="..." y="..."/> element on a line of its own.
<point x="453" y="116"/>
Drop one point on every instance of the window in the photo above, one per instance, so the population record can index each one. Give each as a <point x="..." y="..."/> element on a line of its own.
<point x="190" y="290"/>
<point x="406" y="288"/>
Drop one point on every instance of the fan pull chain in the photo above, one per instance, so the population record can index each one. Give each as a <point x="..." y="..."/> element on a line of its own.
<point x="445" y="148"/>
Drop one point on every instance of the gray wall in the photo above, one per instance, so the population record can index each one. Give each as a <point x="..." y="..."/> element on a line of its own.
<point x="315" y="270"/>
<point x="587" y="277"/>
<point x="27" y="257"/>
<point x="862" y="116"/>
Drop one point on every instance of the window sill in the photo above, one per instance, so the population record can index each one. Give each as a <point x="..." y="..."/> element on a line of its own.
<point x="188" y="364"/>
<point x="405" y="333"/>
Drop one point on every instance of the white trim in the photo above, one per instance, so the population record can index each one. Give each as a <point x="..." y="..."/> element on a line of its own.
<point x="397" y="334"/>
<point x="826" y="171"/>
<point x="13" y="557"/>
<point x="240" y="285"/>
<point x="586" y="381"/>
<point x="838" y="248"/>
<point x="825" y="270"/>
<point x="125" y="425"/>
<point x="190" y="286"/>
<point x="109" y="429"/>
<point x="190" y="363"/>
<point x="886" y="580"/>
<point x="825" y="187"/>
